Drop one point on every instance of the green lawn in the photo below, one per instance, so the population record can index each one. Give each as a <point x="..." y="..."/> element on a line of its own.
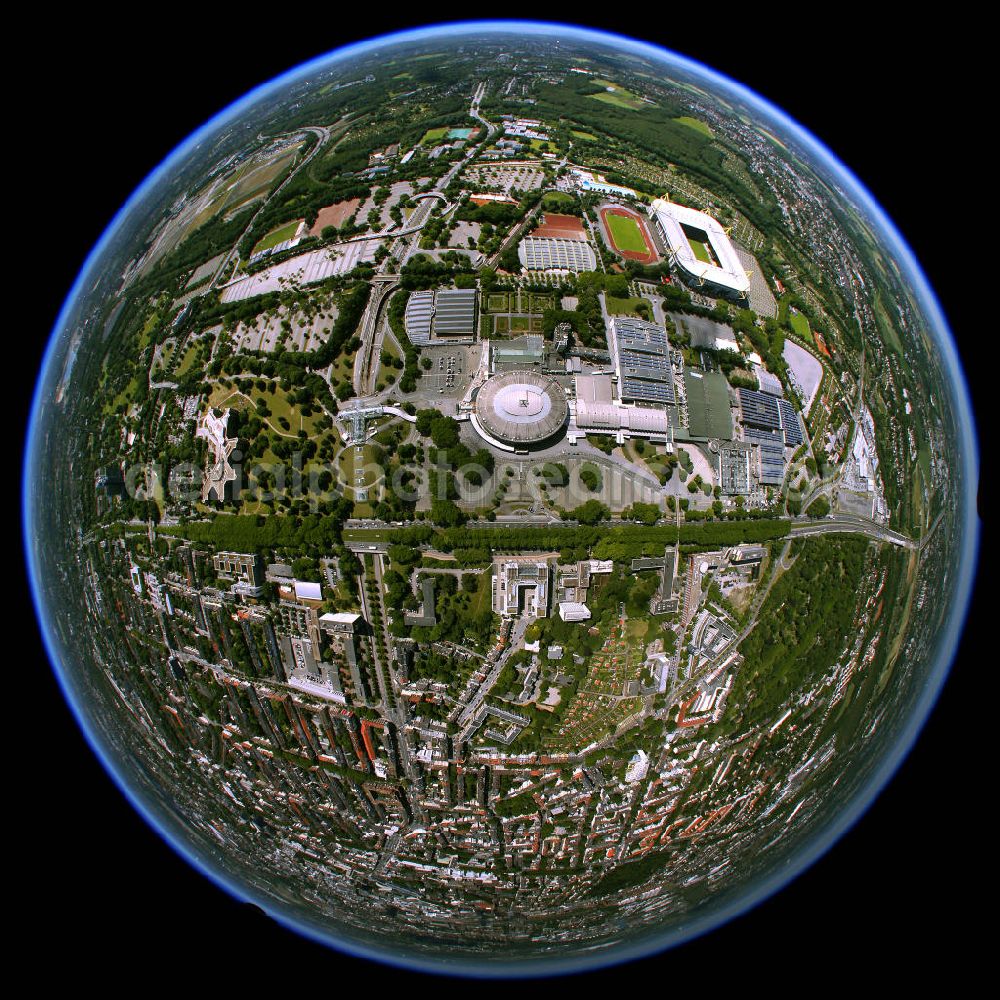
<point x="585" y="136"/>
<point x="433" y="135"/>
<point x="634" y="306"/>
<point x="617" y="96"/>
<point x="626" y="233"/>
<point x="276" y="236"/>
<point x="800" y="325"/>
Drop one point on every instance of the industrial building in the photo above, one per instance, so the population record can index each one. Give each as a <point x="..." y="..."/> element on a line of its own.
<point x="710" y="416"/>
<point x="734" y="468"/>
<point x="519" y="352"/>
<point x="546" y="253"/>
<point x="770" y="446"/>
<point x="455" y="313"/>
<point x="448" y="314"/>
<point x="597" y="412"/>
<point x="641" y="354"/>
<point x="768" y="412"/>
<point x="418" y="317"/>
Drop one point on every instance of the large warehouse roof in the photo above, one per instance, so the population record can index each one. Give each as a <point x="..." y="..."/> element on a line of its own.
<point x="539" y="253"/>
<point x="642" y="360"/>
<point x="521" y="407"/>
<point x="727" y="273"/>
<point x="596" y="411"/>
<point x="455" y="312"/>
<point x="450" y="312"/>
<point x="418" y="316"/>
<point x="709" y="415"/>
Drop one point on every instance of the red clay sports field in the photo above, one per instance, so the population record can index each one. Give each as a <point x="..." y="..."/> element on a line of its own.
<point x="628" y="224"/>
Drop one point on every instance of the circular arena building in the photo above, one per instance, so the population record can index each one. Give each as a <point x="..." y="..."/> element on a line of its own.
<point x="519" y="409"/>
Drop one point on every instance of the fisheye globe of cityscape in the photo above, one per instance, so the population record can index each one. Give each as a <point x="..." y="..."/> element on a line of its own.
<point x="500" y="497"/>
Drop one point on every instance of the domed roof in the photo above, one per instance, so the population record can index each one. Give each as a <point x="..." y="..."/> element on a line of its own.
<point x="521" y="407"/>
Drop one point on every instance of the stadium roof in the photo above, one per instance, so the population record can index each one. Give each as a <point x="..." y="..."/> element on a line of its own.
<point x="728" y="273"/>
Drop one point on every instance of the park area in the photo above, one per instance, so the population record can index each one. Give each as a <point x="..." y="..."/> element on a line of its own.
<point x="513" y="313"/>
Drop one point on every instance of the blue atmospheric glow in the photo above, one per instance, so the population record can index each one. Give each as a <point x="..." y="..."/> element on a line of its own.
<point x="893" y="243"/>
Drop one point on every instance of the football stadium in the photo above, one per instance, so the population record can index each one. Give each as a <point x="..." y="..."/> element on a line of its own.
<point x="700" y="247"/>
<point x="520" y="409"/>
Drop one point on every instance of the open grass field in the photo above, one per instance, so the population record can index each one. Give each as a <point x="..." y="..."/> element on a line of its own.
<point x="699" y="244"/>
<point x="277" y="402"/>
<point x="276" y="236"/>
<point x="617" y="96"/>
<point x="585" y="136"/>
<point x="700" y="251"/>
<point x="633" y="306"/>
<point x="255" y="180"/>
<point x="433" y="135"/>
<point x="696" y="124"/>
<point x="358" y="473"/>
<point x="800" y="325"/>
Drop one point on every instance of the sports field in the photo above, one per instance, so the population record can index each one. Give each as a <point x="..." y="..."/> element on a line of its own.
<point x="700" y="245"/>
<point x="626" y="234"/>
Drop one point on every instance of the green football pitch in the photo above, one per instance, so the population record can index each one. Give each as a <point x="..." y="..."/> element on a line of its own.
<point x="626" y="233"/>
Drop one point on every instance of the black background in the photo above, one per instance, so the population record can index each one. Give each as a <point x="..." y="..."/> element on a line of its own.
<point x="104" y="103"/>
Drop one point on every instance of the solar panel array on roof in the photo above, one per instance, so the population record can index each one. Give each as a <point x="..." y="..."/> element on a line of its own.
<point x="759" y="435"/>
<point x="790" y="424"/>
<point x="772" y="453"/>
<point x="652" y="392"/>
<point x="759" y="409"/>
<point x="638" y="335"/>
<point x="768" y="383"/>
<point x="643" y="361"/>
<point x="418" y="316"/>
<point x="772" y="466"/>
<point x="455" y="312"/>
